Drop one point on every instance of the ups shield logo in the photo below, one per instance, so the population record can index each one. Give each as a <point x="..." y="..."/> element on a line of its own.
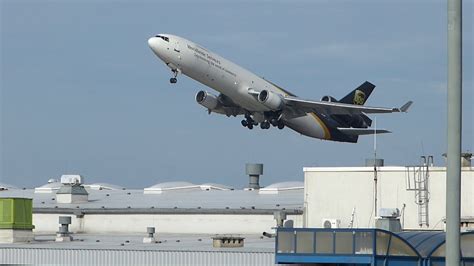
<point x="359" y="97"/>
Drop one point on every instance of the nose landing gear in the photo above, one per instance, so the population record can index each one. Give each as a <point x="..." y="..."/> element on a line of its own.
<point x="173" y="80"/>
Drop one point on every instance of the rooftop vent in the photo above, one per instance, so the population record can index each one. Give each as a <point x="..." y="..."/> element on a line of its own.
<point x="70" y="179"/>
<point x="63" y="235"/>
<point x="227" y="241"/>
<point x="389" y="220"/>
<point x="150" y="238"/>
<point x="280" y="217"/>
<point x="71" y="190"/>
<point x="466" y="159"/>
<point x="254" y="170"/>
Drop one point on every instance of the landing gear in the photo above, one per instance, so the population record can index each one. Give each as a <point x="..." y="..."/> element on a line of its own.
<point x="173" y="80"/>
<point x="271" y="120"/>
<point x="265" y="125"/>
<point x="274" y="122"/>
<point x="248" y="122"/>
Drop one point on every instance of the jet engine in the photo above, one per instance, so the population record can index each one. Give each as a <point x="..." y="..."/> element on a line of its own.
<point x="271" y="100"/>
<point x="328" y="99"/>
<point x="207" y="100"/>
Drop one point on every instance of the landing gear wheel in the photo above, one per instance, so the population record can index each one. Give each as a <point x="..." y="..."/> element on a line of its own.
<point x="173" y="80"/>
<point x="281" y="125"/>
<point x="250" y="126"/>
<point x="274" y="122"/>
<point x="265" y="125"/>
<point x="244" y="123"/>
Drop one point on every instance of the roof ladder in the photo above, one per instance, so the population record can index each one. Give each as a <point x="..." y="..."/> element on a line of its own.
<point x="417" y="180"/>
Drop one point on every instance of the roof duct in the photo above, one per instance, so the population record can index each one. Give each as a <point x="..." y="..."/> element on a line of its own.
<point x="254" y="170"/>
<point x="150" y="238"/>
<point x="63" y="235"/>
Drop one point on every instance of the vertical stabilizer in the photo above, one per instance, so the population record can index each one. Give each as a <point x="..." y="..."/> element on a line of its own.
<point x="360" y="95"/>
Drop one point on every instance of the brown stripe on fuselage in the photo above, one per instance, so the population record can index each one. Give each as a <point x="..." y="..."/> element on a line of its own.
<point x="327" y="134"/>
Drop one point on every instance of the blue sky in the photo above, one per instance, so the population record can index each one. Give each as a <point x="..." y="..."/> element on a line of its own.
<point x="81" y="92"/>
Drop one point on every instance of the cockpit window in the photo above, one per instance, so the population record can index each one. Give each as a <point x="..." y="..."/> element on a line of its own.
<point x="163" y="37"/>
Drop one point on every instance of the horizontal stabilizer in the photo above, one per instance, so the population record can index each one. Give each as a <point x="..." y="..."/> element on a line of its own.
<point x="405" y="107"/>
<point x="361" y="131"/>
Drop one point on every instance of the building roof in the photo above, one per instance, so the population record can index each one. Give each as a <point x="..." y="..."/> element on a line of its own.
<point x="196" y="200"/>
<point x="103" y="186"/>
<point x="119" y="249"/>
<point x="431" y="243"/>
<point x="190" y="242"/>
<point x="49" y="187"/>
<point x="379" y="168"/>
<point x="282" y="186"/>
<point x="4" y="186"/>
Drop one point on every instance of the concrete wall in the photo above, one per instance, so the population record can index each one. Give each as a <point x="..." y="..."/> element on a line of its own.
<point x="164" y="223"/>
<point x="334" y="192"/>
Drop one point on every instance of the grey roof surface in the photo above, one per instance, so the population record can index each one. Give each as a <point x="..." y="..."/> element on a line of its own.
<point x="242" y="200"/>
<point x="181" y="242"/>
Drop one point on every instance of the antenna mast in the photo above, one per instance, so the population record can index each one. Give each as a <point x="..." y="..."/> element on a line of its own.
<point x="375" y="167"/>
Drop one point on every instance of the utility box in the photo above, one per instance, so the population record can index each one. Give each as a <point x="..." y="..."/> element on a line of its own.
<point x="16" y="220"/>
<point x="16" y="213"/>
<point x="227" y="241"/>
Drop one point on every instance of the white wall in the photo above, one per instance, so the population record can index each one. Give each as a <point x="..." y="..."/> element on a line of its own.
<point x="334" y="192"/>
<point x="164" y="223"/>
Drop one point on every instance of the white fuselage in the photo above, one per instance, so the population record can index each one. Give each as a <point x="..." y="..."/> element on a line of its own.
<point x="227" y="78"/>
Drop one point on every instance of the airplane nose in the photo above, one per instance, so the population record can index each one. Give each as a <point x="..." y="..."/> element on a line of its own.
<point x="153" y="42"/>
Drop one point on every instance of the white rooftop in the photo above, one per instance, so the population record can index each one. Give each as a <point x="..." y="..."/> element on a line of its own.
<point x="282" y="186"/>
<point x="217" y="198"/>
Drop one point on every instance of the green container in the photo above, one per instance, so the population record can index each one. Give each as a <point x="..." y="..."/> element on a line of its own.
<point x="16" y="213"/>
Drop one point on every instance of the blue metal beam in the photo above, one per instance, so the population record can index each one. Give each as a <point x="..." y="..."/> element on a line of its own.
<point x="286" y="258"/>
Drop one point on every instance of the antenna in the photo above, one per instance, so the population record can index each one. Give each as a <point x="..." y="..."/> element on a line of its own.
<point x="375" y="166"/>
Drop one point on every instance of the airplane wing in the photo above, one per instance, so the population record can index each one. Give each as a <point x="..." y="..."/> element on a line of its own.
<point x="309" y="106"/>
<point x="362" y="131"/>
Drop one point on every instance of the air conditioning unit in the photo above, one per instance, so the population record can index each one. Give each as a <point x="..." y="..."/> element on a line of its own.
<point x="71" y="179"/>
<point x="331" y="223"/>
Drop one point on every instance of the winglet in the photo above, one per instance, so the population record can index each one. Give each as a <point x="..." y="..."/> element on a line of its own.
<point x="405" y="107"/>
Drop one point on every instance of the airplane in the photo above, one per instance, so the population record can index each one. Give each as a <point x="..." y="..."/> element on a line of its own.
<point x="262" y="102"/>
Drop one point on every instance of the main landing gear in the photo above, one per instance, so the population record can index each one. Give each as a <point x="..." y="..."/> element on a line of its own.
<point x="249" y="123"/>
<point x="174" y="79"/>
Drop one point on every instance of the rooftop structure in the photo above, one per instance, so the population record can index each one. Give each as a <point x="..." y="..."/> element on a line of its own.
<point x="354" y="196"/>
<point x="120" y="249"/>
<point x="366" y="247"/>
<point x="172" y="207"/>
